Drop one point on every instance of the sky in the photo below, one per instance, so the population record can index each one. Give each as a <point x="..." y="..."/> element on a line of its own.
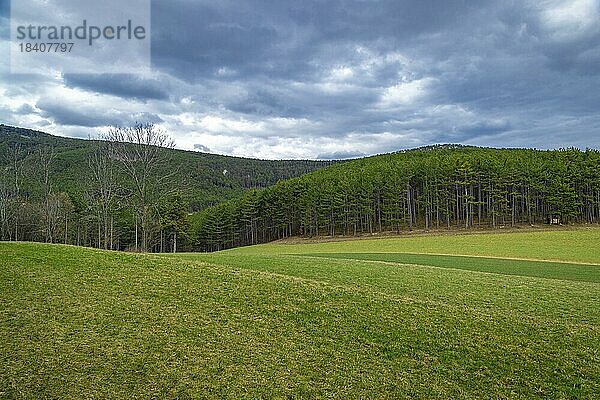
<point x="317" y="79"/>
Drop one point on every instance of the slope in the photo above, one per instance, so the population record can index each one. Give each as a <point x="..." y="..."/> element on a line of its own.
<point x="435" y="188"/>
<point x="240" y="324"/>
<point x="205" y="179"/>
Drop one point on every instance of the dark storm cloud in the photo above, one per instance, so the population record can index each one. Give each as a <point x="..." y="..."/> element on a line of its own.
<point x="122" y="85"/>
<point x="293" y="40"/>
<point x="70" y="115"/>
<point x="343" y="78"/>
<point x="66" y="116"/>
<point x="193" y="40"/>
<point x="299" y="100"/>
<point x="569" y="46"/>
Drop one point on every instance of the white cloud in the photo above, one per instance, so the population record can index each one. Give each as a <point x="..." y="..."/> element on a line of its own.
<point x="285" y="88"/>
<point x="309" y="148"/>
<point x="218" y="124"/>
<point x="405" y="93"/>
<point x="225" y="72"/>
<point x="341" y="74"/>
<point x="568" y="20"/>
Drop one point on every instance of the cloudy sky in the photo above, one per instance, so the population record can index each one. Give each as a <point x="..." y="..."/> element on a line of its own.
<point x="334" y="79"/>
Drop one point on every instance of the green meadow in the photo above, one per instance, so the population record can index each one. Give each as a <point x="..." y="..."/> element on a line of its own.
<point x="489" y="315"/>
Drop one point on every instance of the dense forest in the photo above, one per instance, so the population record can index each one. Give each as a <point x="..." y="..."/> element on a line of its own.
<point x="85" y="192"/>
<point x="440" y="187"/>
<point x="132" y="191"/>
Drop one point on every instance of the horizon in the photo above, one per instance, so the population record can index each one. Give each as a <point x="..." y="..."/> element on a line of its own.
<point x="424" y="147"/>
<point x="334" y="80"/>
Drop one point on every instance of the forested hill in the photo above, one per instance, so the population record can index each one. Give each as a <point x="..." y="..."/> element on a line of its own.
<point x="202" y="179"/>
<point x="132" y="192"/>
<point x="440" y="187"/>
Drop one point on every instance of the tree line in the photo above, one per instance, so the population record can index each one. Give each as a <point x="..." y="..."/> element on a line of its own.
<point x="445" y="187"/>
<point x="127" y="203"/>
<point x="130" y="190"/>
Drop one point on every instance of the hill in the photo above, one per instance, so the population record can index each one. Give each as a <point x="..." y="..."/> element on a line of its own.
<point x="207" y="178"/>
<point x="439" y="187"/>
<point x="195" y="181"/>
<point x="367" y="319"/>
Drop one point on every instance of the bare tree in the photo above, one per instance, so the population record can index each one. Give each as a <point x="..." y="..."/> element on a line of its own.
<point x="46" y="156"/>
<point x="10" y="193"/>
<point x="5" y="199"/>
<point x="140" y="152"/>
<point x="103" y="192"/>
<point x="59" y="212"/>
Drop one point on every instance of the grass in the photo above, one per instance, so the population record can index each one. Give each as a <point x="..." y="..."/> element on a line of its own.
<point x="542" y="269"/>
<point x="361" y="319"/>
<point x="578" y="245"/>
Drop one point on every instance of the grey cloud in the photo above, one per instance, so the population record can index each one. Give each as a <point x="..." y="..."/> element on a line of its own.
<point x="71" y="116"/>
<point x="122" y="85"/>
<point x="299" y="100"/>
<point x="576" y="52"/>
<point x="583" y="59"/>
<point x="4" y="28"/>
<point x="284" y="39"/>
<point x="4" y="9"/>
<point x="66" y="116"/>
<point x="495" y="74"/>
<point x="27" y="85"/>
<point x="25" y="109"/>
<point x="340" y="155"/>
<point x="202" y="148"/>
<point x="5" y="115"/>
<point x="4" y="19"/>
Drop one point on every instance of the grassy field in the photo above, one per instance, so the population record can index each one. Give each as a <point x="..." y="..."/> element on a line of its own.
<point x="513" y="315"/>
<point x="569" y="245"/>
